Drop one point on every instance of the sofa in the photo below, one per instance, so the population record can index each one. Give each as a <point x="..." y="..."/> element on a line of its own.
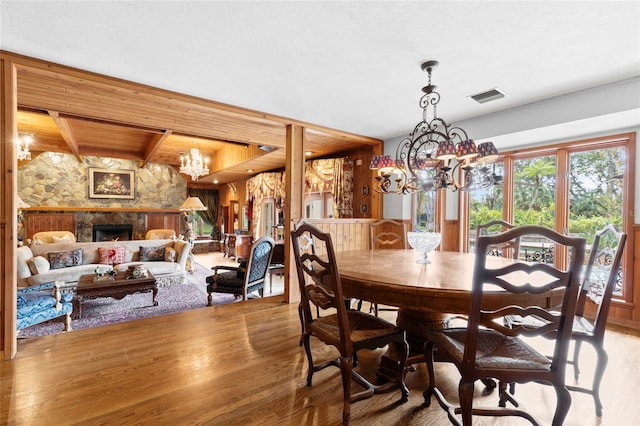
<point x="42" y="263"/>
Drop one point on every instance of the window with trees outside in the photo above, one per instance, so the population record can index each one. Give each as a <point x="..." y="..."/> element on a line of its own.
<point x="575" y="188"/>
<point x="200" y="227"/>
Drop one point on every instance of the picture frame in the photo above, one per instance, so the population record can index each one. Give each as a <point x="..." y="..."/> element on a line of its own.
<point x="109" y="183"/>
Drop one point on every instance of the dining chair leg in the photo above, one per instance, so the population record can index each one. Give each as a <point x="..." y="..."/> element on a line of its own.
<point x="601" y="364"/>
<point x="428" y="355"/>
<point x="307" y="348"/>
<point x="576" y="356"/>
<point x="563" y="405"/>
<point x="346" y="368"/>
<point x="465" y="390"/>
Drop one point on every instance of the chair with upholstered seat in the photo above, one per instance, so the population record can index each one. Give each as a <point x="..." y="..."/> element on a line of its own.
<point x="50" y="237"/>
<point x="245" y="278"/>
<point x="160" y="234"/>
<point x="42" y="303"/>
<point x="486" y="348"/>
<point x="347" y="330"/>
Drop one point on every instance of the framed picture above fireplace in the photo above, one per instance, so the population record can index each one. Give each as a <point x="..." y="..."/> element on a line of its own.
<point x="107" y="183"/>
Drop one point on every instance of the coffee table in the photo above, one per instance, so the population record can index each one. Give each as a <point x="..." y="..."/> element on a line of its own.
<point x="117" y="287"/>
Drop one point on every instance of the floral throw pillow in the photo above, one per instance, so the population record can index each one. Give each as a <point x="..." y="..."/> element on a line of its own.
<point x="112" y="255"/>
<point x="151" y="253"/>
<point x="64" y="259"/>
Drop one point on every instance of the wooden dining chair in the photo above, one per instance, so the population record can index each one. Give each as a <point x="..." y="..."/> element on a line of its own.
<point x="601" y="275"/>
<point x="507" y="249"/>
<point x="386" y="234"/>
<point x="347" y="330"/>
<point x="606" y="255"/>
<point x="486" y="348"/>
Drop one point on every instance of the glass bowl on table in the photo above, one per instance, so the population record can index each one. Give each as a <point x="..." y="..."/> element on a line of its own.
<point x="423" y="243"/>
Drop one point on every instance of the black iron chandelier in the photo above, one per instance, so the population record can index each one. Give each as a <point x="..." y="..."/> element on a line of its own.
<point x="436" y="155"/>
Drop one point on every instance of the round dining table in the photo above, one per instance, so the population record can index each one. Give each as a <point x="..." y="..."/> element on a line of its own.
<point x="427" y="295"/>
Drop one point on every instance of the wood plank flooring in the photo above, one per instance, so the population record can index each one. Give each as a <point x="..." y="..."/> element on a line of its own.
<point x="241" y="364"/>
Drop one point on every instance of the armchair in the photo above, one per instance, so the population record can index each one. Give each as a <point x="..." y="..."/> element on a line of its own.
<point x="48" y="237"/>
<point x="43" y="302"/>
<point x="245" y="278"/>
<point x="160" y="234"/>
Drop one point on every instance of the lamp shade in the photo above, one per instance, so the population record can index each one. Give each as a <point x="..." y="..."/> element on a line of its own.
<point x="446" y="150"/>
<point x="488" y="153"/>
<point x="466" y="150"/>
<point x="192" y="204"/>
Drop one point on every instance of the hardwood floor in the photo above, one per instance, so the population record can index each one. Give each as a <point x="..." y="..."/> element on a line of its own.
<point x="241" y="364"/>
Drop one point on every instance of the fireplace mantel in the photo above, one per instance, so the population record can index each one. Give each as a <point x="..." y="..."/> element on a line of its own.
<point x="98" y="209"/>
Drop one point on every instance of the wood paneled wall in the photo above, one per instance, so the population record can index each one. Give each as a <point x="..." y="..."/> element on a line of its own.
<point x="40" y="222"/>
<point x="346" y="234"/>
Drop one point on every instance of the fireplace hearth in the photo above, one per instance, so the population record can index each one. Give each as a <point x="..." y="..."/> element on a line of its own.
<point x="113" y="232"/>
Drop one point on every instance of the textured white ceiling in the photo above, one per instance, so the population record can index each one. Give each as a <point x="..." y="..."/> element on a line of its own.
<point x="353" y="66"/>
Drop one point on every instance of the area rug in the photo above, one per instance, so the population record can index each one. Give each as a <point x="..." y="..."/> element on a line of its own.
<point x="171" y="298"/>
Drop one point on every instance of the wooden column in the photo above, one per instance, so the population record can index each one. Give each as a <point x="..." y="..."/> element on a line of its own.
<point x="294" y="205"/>
<point x="376" y="197"/>
<point x="8" y="210"/>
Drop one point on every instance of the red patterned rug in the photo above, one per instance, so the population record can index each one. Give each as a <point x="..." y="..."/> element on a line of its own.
<point x="171" y="298"/>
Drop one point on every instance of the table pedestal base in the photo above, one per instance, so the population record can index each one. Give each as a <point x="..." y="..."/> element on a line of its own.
<point x="417" y="324"/>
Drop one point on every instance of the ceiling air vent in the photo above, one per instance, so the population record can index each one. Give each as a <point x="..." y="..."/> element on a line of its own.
<point x="487" y="96"/>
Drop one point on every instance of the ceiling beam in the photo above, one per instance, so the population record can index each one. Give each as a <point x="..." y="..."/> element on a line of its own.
<point x="67" y="133"/>
<point x="156" y="141"/>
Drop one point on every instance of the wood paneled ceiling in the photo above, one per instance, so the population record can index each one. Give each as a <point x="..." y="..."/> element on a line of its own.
<point x="84" y="114"/>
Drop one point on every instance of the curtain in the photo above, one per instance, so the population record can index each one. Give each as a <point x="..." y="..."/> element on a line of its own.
<point x="261" y="186"/>
<point x="334" y="175"/>
<point x="343" y="188"/>
<point x="211" y="199"/>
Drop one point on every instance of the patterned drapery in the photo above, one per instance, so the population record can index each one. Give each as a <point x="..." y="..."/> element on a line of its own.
<point x="261" y="186"/>
<point x="343" y="188"/>
<point x="334" y="175"/>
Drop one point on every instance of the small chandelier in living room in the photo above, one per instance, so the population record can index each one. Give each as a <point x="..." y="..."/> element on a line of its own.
<point x="194" y="165"/>
<point x="22" y="145"/>
<point x="435" y="155"/>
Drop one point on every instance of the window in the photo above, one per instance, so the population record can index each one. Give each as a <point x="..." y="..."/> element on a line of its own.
<point x="318" y="205"/>
<point x="485" y="205"/>
<point x="596" y="193"/>
<point x="200" y="227"/>
<point x="575" y="188"/>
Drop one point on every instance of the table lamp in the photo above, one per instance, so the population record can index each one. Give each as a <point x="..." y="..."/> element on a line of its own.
<point x="191" y="205"/>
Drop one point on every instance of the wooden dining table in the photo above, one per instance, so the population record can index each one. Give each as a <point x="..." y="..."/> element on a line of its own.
<point x="427" y="295"/>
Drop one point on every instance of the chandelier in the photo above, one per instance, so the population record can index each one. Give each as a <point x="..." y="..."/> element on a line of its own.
<point x="22" y="145"/>
<point x="194" y="165"/>
<point x="435" y="155"/>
